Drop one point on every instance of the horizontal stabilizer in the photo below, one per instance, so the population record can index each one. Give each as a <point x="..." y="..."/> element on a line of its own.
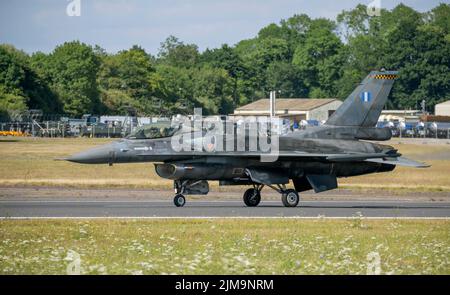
<point x="358" y="157"/>
<point x="399" y="161"/>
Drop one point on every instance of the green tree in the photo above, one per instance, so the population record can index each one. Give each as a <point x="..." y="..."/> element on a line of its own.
<point x="118" y="102"/>
<point x="20" y="86"/>
<point x="226" y="58"/>
<point x="176" y="89"/>
<point x="294" y="30"/>
<point x="299" y="56"/>
<point x="257" y="55"/>
<point x="10" y="103"/>
<point x="320" y="59"/>
<point x="419" y="49"/>
<point x="213" y="89"/>
<point x="128" y="75"/>
<point x="73" y="69"/>
<point x="353" y="22"/>
<point x="176" y="53"/>
<point x="427" y="74"/>
<point x="403" y="39"/>
<point x="363" y="49"/>
<point x="285" y="77"/>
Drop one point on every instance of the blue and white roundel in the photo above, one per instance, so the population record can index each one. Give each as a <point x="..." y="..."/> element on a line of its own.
<point x="365" y="96"/>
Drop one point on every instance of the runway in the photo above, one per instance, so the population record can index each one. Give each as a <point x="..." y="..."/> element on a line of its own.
<point x="213" y="209"/>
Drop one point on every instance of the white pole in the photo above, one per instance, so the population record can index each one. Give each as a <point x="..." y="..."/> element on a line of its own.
<point x="271" y="104"/>
<point x="274" y="103"/>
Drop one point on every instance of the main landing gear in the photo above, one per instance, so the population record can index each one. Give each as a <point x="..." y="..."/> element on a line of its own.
<point x="252" y="196"/>
<point x="289" y="197"/>
<point x="188" y="187"/>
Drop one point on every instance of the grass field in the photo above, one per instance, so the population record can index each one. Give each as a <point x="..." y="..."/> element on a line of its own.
<point x="28" y="161"/>
<point x="225" y="246"/>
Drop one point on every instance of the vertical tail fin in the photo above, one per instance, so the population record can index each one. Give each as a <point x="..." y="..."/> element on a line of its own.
<point x="363" y="106"/>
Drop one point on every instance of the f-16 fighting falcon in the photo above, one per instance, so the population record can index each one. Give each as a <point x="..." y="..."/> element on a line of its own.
<point x="313" y="158"/>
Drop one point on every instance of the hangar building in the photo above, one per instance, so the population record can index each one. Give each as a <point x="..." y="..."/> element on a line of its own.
<point x="442" y="109"/>
<point x="294" y="109"/>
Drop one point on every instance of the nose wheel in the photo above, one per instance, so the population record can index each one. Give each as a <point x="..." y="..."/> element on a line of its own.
<point x="179" y="200"/>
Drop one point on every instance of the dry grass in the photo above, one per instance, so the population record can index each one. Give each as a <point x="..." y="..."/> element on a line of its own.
<point x="224" y="246"/>
<point x="29" y="161"/>
<point x="435" y="178"/>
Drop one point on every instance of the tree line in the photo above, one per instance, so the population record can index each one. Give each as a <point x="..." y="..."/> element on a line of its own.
<point x="300" y="57"/>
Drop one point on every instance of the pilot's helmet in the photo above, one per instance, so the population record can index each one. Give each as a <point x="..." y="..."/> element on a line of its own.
<point x="164" y="131"/>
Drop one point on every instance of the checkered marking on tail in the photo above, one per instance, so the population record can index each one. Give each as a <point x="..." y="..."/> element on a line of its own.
<point x="385" y="77"/>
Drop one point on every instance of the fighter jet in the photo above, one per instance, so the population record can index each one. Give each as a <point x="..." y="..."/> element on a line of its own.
<point x="312" y="158"/>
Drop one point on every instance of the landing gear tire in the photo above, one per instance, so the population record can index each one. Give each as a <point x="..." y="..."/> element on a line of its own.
<point x="252" y="197"/>
<point x="290" y="198"/>
<point x="179" y="200"/>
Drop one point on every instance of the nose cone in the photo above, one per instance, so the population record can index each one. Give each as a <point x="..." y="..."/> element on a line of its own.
<point x="99" y="155"/>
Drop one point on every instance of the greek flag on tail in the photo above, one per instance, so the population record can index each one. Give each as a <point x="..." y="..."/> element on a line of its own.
<point x="365" y="96"/>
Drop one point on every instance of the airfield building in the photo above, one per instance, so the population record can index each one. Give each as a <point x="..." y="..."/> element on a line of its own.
<point x="442" y="109"/>
<point x="400" y="116"/>
<point x="294" y="109"/>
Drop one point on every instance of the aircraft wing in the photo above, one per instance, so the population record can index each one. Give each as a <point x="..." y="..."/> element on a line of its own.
<point x="390" y="157"/>
<point x="383" y="158"/>
<point x="332" y="157"/>
<point x="400" y="161"/>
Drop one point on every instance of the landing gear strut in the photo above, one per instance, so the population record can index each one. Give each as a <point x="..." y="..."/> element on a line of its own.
<point x="180" y="186"/>
<point x="289" y="197"/>
<point x="188" y="187"/>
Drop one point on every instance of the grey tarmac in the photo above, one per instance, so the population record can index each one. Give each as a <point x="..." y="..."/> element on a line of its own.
<point x="72" y="202"/>
<point x="229" y="208"/>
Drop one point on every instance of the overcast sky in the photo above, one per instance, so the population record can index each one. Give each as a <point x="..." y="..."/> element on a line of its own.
<point x="40" y="25"/>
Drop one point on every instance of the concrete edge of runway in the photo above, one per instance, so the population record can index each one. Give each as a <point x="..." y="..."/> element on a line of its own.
<point x="221" y="217"/>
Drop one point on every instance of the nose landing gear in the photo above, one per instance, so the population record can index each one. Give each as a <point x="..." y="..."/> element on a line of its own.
<point x="188" y="187"/>
<point x="179" y="200"/>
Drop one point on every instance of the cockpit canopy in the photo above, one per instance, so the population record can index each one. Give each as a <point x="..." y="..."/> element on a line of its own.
<point x="153" y="131"/>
